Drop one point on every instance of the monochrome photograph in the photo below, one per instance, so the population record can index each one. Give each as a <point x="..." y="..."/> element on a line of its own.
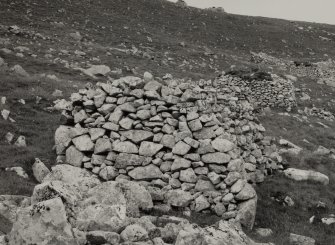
<point x="167" y="122"/>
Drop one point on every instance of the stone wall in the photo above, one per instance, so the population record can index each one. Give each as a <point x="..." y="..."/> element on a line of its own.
<point x="192" y="145"/>
<point x="277" y="93"/>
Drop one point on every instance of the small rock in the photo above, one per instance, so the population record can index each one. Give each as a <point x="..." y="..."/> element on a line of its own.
<point x="9" y="137"/>
<point x="201" y="203"/>
<point x="134" y="233"/>
<point x="19" y="171"/>
<point x="264" y="232"/>
<point x="21" y="141"/>
<point x="178" y="198"/>
<point x="5" y="114"/>
<point x="40" y="170"/>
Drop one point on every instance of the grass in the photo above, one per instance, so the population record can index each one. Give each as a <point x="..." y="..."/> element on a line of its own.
<point x="32" y="121"/>
<point x="282" y="219"/>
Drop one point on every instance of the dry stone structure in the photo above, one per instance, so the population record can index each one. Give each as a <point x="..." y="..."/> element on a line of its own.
<point x="194" y="146"/>
<point x="279" y="92"/>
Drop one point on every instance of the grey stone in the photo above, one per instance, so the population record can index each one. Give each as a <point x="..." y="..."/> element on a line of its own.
<point x="149" y="149"/>
<point x="295" y="239"/>
<point x="181" y="148"/>
<point x="83" y="143"/>
<point x="168" y="141"/>
<point x="195" y="125"/>
<point x="216" y="158"/>
<point x="178" y="198"/>
<point x="137" y="136"/>
<point x="40" y="170"/>
<point x="125" y="147"/>
<point x="146" y="173"/>
<point x="108" y="173"/>
<point x="188" y="175"/>
<point x="180" y="163"/>
<point x="222" y="145"/>
<point x="123" y="160"/>
<point x="246" y="193"/>
<point x="102" y="145"/>
<point x="204" y="133"/>
<point x="74" y="157"/>
<point x="201" y="203"/>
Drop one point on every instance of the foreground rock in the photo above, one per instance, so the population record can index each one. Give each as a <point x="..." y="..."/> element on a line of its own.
<point x="65" y="212"/>
<point x="306" y="175"/>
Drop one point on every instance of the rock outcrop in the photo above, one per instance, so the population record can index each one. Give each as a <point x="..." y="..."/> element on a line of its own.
<point x="62" y="212"/>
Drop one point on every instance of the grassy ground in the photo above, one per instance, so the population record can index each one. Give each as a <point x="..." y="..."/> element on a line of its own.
<point x="283" y="219"/>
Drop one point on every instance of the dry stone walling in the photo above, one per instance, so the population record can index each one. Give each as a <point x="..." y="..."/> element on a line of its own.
<point x="194" y="146"/>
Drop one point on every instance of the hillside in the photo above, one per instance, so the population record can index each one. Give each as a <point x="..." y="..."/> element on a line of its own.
<point x="55" y="40"/>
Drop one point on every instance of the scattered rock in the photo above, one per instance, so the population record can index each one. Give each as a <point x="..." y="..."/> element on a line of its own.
<point x="264" y="232"/>
<point x="19" y="171"/>
<point x="5" y="114"/>
<point x="306" y="175"/>
<point x="21" y="141"/>
<point x="40" y="170"/>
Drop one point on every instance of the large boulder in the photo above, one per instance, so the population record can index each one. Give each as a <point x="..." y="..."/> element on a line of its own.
<point x="70" y="194"/>
<point x="247" y="213"/>
<point x="97" y="70"/>
<point x="306" y="175"/>
<point x="72" y="175"/>
<point x="43" y="223"/>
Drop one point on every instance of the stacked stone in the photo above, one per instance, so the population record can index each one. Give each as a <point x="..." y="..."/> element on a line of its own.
<point x="323" y="72"/>
<point x="191" y="147"/>
<point x="277" y="93"/>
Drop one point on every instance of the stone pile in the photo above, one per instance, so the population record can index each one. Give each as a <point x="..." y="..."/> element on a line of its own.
<point x="318" y="112"/>
<point x="277" y="93"/>
<point x="74" y="207"/>
<point x="263" y="58"/>
<point x="323" y="72"/>
<point x="191" y="147"/>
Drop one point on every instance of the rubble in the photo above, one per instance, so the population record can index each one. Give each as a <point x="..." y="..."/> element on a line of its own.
<point x="111" y="212"/>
